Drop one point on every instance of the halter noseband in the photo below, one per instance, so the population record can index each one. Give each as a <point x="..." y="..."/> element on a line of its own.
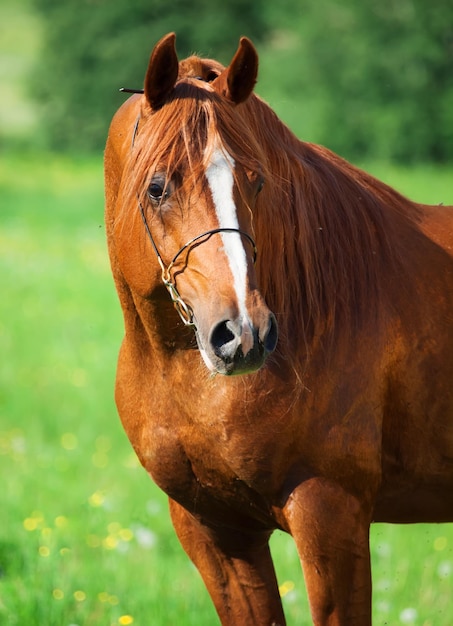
<point x="184" y="310"/>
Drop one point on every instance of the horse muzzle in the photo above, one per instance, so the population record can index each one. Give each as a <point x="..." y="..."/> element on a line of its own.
<point x="237" y="345"/>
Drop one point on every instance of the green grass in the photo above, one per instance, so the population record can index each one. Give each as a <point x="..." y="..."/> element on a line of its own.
<point x="85" y="536"/>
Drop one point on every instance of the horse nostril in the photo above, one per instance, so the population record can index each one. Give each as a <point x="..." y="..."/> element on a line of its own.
<point x="223" y="339"/>
<point x="270" y="337"/>
<point x="233" y="340"/>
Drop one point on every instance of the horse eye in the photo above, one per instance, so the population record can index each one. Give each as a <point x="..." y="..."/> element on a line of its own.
<point x="156" y="191"/>
<point x="260" y="185"/>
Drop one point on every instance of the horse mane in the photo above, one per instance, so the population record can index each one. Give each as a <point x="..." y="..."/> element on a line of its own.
<point x="326" y="232"/>
<point x="329" y="235"/>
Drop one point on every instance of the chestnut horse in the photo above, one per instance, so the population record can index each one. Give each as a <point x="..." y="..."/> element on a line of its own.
<point x="222" y="227"/>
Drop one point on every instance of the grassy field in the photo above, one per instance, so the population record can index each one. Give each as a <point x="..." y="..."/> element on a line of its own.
<point x="85" y="537"/>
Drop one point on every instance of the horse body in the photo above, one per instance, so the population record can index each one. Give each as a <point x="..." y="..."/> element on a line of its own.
<point x="350" y="420"/>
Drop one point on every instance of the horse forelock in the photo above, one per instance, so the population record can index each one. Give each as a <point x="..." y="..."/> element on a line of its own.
<point x="180" y="138"/>
<point x="206" y="70"/>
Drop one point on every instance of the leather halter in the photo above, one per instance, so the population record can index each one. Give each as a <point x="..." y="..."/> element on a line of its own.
<point x="184" y="310"/>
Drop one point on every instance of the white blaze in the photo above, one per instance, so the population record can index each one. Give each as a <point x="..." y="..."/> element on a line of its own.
<point x="219" y="174"/>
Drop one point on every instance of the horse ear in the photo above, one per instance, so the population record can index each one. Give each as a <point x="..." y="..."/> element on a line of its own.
<point x="238" y="80"/>
<point x="162" y="71"/>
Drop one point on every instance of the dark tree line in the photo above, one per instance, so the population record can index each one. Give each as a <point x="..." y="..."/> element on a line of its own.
<point x="366" y="78"/>
<point x="93" y="47"/>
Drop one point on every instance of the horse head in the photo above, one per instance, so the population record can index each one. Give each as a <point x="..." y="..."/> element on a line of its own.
<point x="196" y="179"/>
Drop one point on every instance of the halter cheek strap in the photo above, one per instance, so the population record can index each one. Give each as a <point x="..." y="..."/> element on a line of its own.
<point x="184" y="310"/>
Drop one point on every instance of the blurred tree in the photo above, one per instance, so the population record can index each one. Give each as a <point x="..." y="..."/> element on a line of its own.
<point x="374" y="77"/>
<point x="93" y="47"/>
<point x="368" y="79"/>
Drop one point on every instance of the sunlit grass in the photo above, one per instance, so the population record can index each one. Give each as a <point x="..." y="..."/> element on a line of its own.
<point x="85" y="536"/>
<point x="430" y="184"/>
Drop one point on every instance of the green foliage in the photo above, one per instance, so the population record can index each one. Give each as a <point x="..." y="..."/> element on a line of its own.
<point x="374" y="79"/>
<point x="93" y="47"/>
<point x="19" y="42"/>
<point x="368" y="79"/>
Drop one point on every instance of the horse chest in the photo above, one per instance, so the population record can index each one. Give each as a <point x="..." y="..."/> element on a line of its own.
<point x="233" y="443"/>
<point x="201" y="474"/>
<point x="207" y="454"/>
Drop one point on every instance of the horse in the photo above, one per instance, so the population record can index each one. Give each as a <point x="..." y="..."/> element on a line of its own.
<point x="287" y="360"/>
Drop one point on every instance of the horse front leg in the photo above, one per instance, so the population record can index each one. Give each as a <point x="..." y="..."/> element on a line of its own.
<point x="331" y="531"/>
<point x="236" y="568"/>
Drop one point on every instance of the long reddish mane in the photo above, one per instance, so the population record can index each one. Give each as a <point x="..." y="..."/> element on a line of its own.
<point x="327" y="232"/>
